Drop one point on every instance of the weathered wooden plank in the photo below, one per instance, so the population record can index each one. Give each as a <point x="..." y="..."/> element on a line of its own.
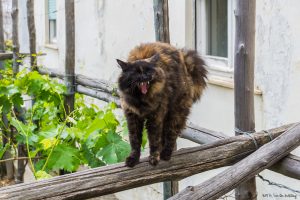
<point x="192" y="132"/>
<point x="263" y="158"/>
<point x="69" y="75"/>
<point x="244" y="81"/>
<point x="115" y="178"/>
<point x="32" y="33"/>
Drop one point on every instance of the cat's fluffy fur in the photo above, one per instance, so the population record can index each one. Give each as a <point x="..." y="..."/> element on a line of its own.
<point x="158" y="86"/>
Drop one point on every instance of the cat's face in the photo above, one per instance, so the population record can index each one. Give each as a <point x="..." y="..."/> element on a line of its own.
<point x="138" y="77"/>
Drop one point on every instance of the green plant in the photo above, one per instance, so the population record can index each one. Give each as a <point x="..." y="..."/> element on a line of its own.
<point x="87" y="136"/>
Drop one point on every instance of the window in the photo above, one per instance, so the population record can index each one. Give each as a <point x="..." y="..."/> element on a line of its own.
<point x="52" y="31"/>
<point x="215" y="33"/>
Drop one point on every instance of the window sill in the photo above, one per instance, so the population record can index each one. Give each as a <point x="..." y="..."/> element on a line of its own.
<point x="51" y="46"/>
<point x="227" y="83"/>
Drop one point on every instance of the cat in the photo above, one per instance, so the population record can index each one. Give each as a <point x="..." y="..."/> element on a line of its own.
<point x="158" y="85"/>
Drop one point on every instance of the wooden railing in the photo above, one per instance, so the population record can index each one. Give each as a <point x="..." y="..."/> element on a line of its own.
<point x="185" y="162"/>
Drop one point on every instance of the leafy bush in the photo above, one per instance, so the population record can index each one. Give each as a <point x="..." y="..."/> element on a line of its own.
<point x="87" y="136"/>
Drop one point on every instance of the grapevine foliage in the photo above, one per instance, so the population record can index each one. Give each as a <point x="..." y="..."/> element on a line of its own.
<point x="89" y="136"/>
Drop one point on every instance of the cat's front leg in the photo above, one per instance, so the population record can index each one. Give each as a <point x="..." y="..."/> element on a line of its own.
<point x="135" y="128"/>
<point x="154" y="128"/>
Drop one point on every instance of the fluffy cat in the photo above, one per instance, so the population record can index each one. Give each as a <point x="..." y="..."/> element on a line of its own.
<point x="158" y="85"/>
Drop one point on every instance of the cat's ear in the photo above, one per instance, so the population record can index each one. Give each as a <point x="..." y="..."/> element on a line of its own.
<point x="154" y="58"/>
<point x="124" y="65"/>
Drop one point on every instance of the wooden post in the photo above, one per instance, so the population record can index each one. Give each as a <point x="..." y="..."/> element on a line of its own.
<point x="2" y="46"/>
<point x="162" y="34"/>
<point x="15" y="36"/>
<point x="32" y="33"/>
<point x="8" y="167"/>
<point x="161" y="20"/>
<point x="244" y="81"/>
<point x="19" y="112"/>
<point x="70" y="56"/>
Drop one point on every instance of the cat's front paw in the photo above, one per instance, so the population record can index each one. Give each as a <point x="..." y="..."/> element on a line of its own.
<point x="154" y="158"/>
<point x="131" y="161"/>
<point x="166" y="154"/>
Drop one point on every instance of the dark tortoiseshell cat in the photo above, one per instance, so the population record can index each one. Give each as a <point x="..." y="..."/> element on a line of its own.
<point x="158" y="86"/>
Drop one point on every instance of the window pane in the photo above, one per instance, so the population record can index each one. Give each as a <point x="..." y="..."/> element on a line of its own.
<point x="52" y="31"/>
<point x="217" y="28"/>
<point x="52" y="9"/>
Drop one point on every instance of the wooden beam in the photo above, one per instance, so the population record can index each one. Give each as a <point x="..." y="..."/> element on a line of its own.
<point x="4" y="56"/>
<point x="263" y="158"/>
<point x="244" y="81"/>
<point x="115" y="178"/>
<point x="32" y="33"/>
<point x="201" y="135"/>
<point x="289" y="166"/>
<point x="99" y="84"/>
<point x="69" y="76"/>
<point x="98" y="94"/>
<point x="96" y="83"/>
<point x="9" y="55"/>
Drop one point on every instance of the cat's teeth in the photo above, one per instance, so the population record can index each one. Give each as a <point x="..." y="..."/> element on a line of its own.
<point x="148" y="82"/>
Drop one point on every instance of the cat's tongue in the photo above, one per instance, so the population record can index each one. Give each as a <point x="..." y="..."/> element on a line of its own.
<point x="144" y="87"/>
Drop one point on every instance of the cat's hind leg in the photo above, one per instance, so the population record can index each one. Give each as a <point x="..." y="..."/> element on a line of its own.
<point x="135" y="128"/>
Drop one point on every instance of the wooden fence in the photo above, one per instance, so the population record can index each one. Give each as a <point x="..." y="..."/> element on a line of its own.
<point x="185" y="162"/>
<point x="249" y="154"/>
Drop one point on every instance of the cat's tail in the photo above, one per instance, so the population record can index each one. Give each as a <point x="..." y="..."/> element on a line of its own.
<point x="195" y="67"/>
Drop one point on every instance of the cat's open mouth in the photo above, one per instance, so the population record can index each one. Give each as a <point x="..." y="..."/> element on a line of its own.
<point x="144" y="86"/>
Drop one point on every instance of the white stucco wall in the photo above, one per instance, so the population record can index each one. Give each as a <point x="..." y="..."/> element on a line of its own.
<point x="7" y="27"/>
<point x="106" y="30"/>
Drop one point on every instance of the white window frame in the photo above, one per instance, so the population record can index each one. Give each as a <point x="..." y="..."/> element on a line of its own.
<point x="218" y="66"/>
<point x="48" y="43"/>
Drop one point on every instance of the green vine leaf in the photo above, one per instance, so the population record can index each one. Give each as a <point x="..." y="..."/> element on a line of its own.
<point x="65" y="157"/>
<point x="115" y="151"/>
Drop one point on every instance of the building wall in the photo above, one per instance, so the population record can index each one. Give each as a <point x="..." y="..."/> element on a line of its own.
<point x="7" y="24"/>
<point x="106" y="30"/>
